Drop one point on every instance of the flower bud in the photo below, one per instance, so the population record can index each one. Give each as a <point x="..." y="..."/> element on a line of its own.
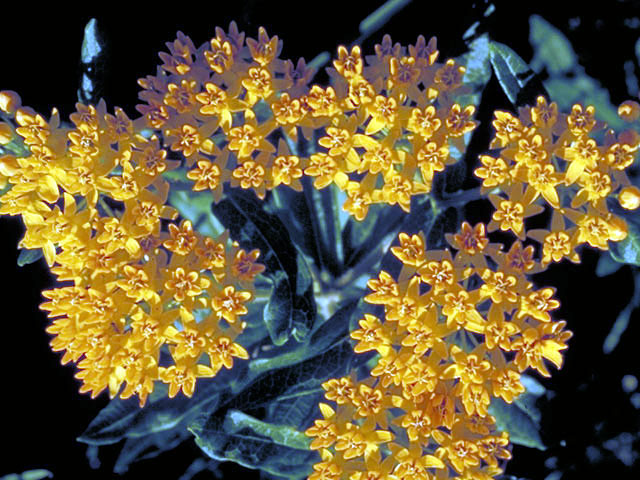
<point x="629" y="110"/>
<point x="629" y="198"/>
<point x="6" y="133"/>
<point x="8" y="165"/>
<point x="617" y="228"/>
<point x="9" y="101"/>
<point x="629" y="137"/>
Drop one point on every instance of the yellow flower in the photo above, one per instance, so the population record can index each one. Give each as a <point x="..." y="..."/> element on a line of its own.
<point x="222" y="350"/>
<point x="411" y="250"/>
<point x="371" y="335"/>
<point x="383" y="112"/>
<point x="182" y="376"/>
<point x="459" y="121"/>
<point x="544" y="115"/>
<point x="494" y="171"/>
<point x="508" y="129"/>
<point x="424" y="122"/>
<point x="182" y="239"/>
<point x="629" y="198"/>
<point x="538" y="305"/>
<point x="348" y="64"/>
<point x="229" y="303"/>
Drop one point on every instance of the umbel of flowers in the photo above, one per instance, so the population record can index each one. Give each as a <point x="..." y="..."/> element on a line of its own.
<point x="459" y="330"/>
<point x="92" y="195"/>
<point x="554" y="160"/>
<point x="93" y="199"/>
<point x="145" y="298"/>
<point x="383" y="129"/>
<point x="456" y="332"/>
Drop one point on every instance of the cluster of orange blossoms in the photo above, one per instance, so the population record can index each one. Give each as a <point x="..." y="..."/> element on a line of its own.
<point x="385" y="129"/>
<point x="459" y="330"/>
<point x="552" y="159"/>
<point x="93" y="199"/>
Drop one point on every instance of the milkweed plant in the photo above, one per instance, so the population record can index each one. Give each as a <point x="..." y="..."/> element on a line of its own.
<point x="282" y="270"/>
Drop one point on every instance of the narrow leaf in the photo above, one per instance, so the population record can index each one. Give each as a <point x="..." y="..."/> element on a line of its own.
<point x="92" y="57"/>
<point x="238" y="437"/>
<point x="28" y="256"/>
<point x="517" y="79"/>
<point x="522" y="427"/>
<point x="253" y="227"/>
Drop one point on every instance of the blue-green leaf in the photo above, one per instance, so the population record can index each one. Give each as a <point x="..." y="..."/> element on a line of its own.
<point x="606" y="265"/>
<point x="552" y="50"/>
<point x="124" y="418"/>
<point x="150" y="446"/>
<point x="37" y="474"/>
<point x="478" y="70"/>
<point x="196" y="207"/>
<point x="92" y="58"/>
<point x="28" y="256"/>
<point x="240" y="438"/>
<point x="291" y="306"/>
<point x="518" y="81"/>
<point x="522" y="425"/>
<point x="628" y="250"/>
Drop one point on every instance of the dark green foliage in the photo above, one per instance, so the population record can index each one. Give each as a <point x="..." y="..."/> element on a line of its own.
<point x="27" y="256"/>
<point x="518" y="80"/>
<point x="291" y="306"/>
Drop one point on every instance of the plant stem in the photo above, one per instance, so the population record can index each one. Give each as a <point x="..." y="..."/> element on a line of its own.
<point x="460" y="198"/>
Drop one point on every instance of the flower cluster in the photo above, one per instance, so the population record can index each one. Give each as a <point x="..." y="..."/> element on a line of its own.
<point x="148" y="298"/>
<point x="457" y="331"/>
<point x="566" y="162"/>
<point x="232" y="108"/>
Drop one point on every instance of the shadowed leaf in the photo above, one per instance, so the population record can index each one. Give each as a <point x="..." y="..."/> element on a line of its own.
<point x="291" y="306"/>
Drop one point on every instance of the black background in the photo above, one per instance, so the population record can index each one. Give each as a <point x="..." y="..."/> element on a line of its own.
<point x="42" y="411"/>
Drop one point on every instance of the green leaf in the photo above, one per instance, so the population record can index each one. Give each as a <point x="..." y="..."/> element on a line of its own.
<point x="293" y="362"/>
<point x="287" y="388"/>
<point x="196" y="207"/>
<point x="92" y="59"/>
<point x="517" y="79"/>
<point x="568" y="82"/>
<point x="291" y="305"/>
<point x="27" y="256"/>
<point x="150" y="446"/>
<point x="362" y="239"/>
<point x="294" y="211"/>
<point x="606" y="265"/>
<point x="627" y="250"/>
<point x="552" y="50"/>
<point x="478" y="70"/>
<point x="296" y="407"/>
<point x="523" y="427"/>
<point x="241" y="438"/>
<point x="124" y="418"/>
<point x="37" y="474"/>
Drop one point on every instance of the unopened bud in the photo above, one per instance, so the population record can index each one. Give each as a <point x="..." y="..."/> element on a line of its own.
<point x="6" y="133"/>
<point x="8" y="165"/>
<point x="9" y="101"/>
<point x="629" y="198"/>
<point x="629" y="137"/>
<point x="617" y="229"/>
<point x="629" y="110"/>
